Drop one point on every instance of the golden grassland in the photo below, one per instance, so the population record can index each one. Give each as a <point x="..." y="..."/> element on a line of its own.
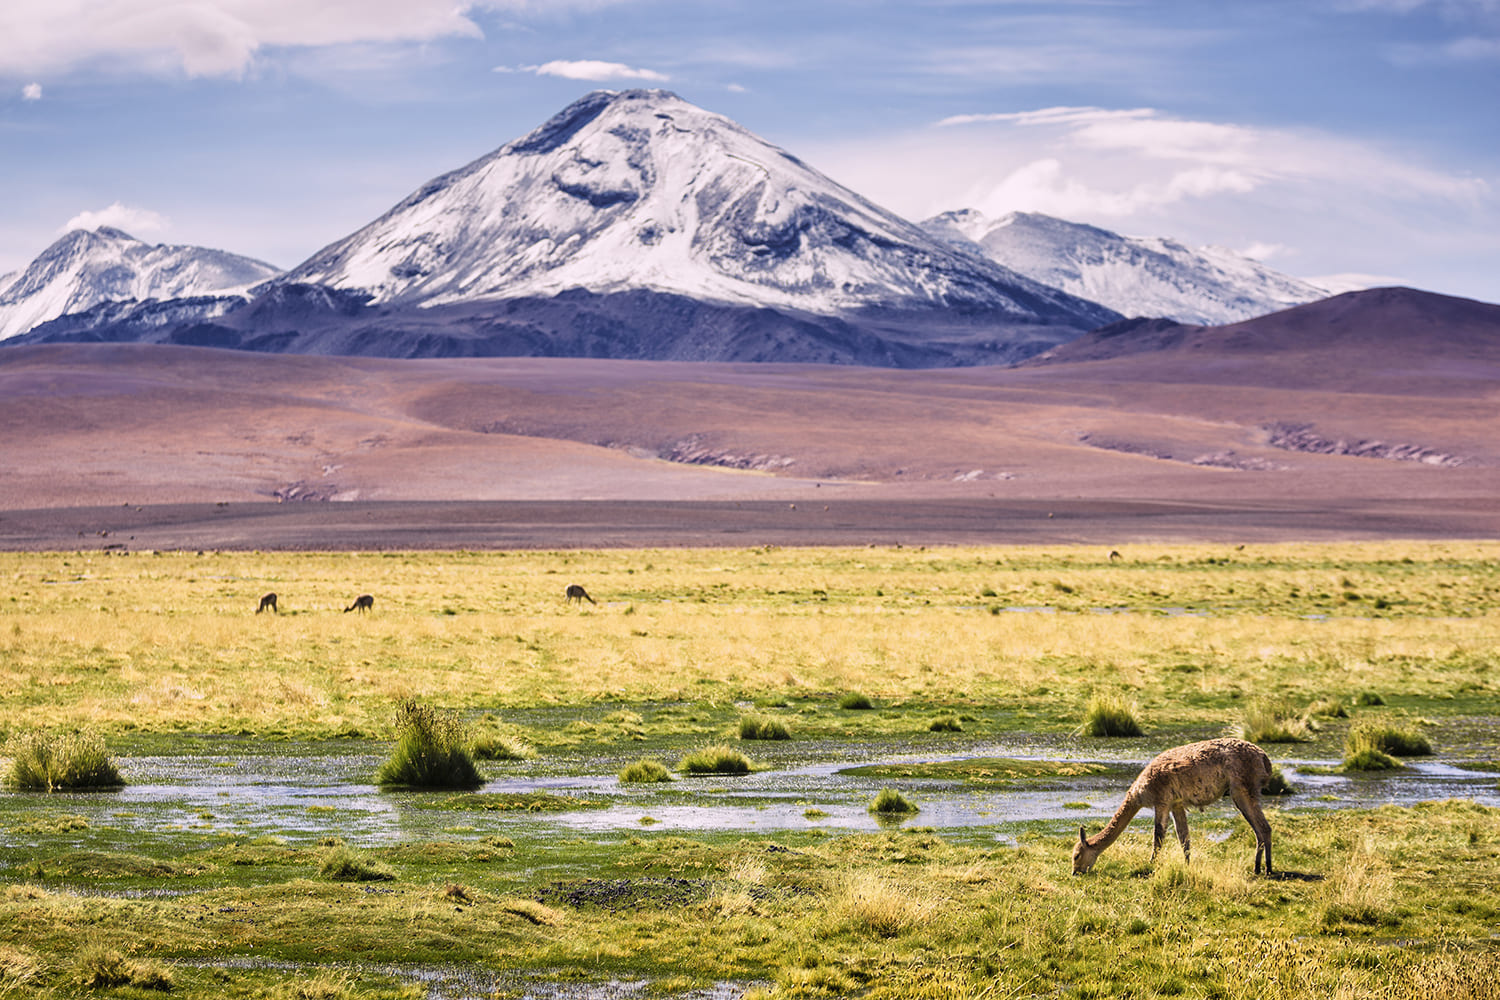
<point x="1386" y="902"/>
<point x="171" y="641"/>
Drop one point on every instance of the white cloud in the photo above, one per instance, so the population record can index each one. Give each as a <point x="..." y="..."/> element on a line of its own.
<point x="32" y="92"/>
<point x="1264" y="251"/>
<point x="134" y="221"/>
<point x="220" y="37"/>
<point x="591" y="69"/>
<point x="1328" y="202"/>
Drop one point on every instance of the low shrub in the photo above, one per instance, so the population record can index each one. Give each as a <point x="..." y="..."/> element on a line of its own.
<point x="432" y="751"/>
<point x="51" y="761"/>
<point x="344" y="864"/>
<point x="760" y="727"/>
<point x="644" y="772"/>
<point x="945" y="724"/>
<point x="715" y="760"/>
<point x="856" y="702"/>
<point x="891" y="802"/>
<point x="1108" y="715"/>
<point x="1369" y="699"/>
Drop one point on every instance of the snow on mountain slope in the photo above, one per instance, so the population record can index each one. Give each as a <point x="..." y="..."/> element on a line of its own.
<point x="640" y="190"/>
<point x="1134" y="276"/>
<point x="87" y="267"/>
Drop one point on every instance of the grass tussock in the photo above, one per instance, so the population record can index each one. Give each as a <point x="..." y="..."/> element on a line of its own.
<point x="1273" y="722"/>
<point x="763" y="727"/>
<point x="945" y="724"/>
<point x="432" y="751"/>
<point x="341" y="863"/>
<point x="500" y="746"/>
<point x="98" y="966"/>
<point x="644" y="772"/>
<point x="1277" y="783"/>
<point x="889" y="802"/>
<point x="1109" y="715"/>
<point x="856" y="702"/>
<point x="715" y="760"/>
<point x="1374" y="746"/>
<point x="875" y="905"/>
<point x="55" y="761"/>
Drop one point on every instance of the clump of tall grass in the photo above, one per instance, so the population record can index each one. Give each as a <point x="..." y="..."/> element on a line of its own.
<point x="98" y="966"/>
<point x="341" y="863"/>
<point x="432" y="751"/>
<point x="1277" y="784"/>
<point x="856" y="702"/>
<point x="761" y="727"/>
<point x="945" y="724"/>
<point x="1374" y="746"/>
<point x="1108" y="715"/>
<point x="890" y="802"/>
<point x="715" y="760"/>
<point x="1273" y="722"/>
<point x="1331" y="708"/>
<point x="51" y="761"/>
<point x="644" y="772"/>
<point x="499" y="746"/>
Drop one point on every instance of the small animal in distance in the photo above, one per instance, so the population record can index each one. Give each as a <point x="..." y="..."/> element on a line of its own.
<point x="364" y="602"/>
<point x="577" y="593"/>
<point x="267" y="601"/>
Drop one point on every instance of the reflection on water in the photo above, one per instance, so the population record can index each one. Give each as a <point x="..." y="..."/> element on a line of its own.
<point x="306" y="791"/>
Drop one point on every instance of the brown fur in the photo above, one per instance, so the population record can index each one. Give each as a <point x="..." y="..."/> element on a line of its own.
<point x="364" y="602"/>
<point x="1197" y="774"/>
<point x="577" y="593"/>
<point x="268" y="601"/>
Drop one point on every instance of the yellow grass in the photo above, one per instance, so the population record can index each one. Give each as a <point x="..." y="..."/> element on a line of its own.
<point x="171" y="641"/>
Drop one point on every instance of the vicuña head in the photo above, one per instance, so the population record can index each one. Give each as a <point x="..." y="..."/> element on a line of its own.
<point x="364" y="602"/>
<point x="1197" y="774"/>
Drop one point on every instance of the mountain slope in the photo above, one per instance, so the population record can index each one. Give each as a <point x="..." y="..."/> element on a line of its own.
<point x="642" y="190"/>
<point x="88" y="267"/>
<point x="1135" y="277"/>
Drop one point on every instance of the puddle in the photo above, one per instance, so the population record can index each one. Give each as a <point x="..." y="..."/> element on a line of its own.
<point x="303" y="792"/>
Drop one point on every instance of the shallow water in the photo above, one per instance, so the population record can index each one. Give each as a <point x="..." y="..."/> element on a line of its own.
<point x="302" y="792"/>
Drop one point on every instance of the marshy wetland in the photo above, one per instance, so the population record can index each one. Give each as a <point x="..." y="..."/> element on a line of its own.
<point x="250" y="851"/>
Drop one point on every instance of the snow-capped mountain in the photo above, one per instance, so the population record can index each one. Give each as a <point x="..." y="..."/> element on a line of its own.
<point x="642" y="191"/>
<point x="88" y="267"/>
<point x="1134" y="276"/>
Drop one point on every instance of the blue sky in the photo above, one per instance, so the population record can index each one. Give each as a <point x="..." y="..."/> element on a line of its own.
<point x="1326" y="137"/>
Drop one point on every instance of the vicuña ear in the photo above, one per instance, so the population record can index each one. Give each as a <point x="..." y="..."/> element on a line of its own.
<point x="1083" y="835"/>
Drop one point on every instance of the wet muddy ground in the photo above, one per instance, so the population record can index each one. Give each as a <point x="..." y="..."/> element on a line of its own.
<point x="302" y="792"/>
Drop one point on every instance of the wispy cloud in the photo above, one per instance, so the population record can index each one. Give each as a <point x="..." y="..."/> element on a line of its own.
<point x="32" y="92"/>
<point x="588" y="69"/>
<point x="118" y="216"/>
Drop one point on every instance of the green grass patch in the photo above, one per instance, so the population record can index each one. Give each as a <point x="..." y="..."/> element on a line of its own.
<point x="982" y="771"/>
<point x="432" y="751"/>
<point x="715" y="760"/>
<point x="60" y="761"/>
<point x="889" y="802"/>
<point x="1109" y="715"/>
<point x="1386" y="738"/>
<point x="946" y="724"/>
<point x="342" y="863"/>
<point x="1273" y="722"/>
<point x="644" y="772"/>
<point x="853" y="701"/>
<point x="763" y="727"/>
